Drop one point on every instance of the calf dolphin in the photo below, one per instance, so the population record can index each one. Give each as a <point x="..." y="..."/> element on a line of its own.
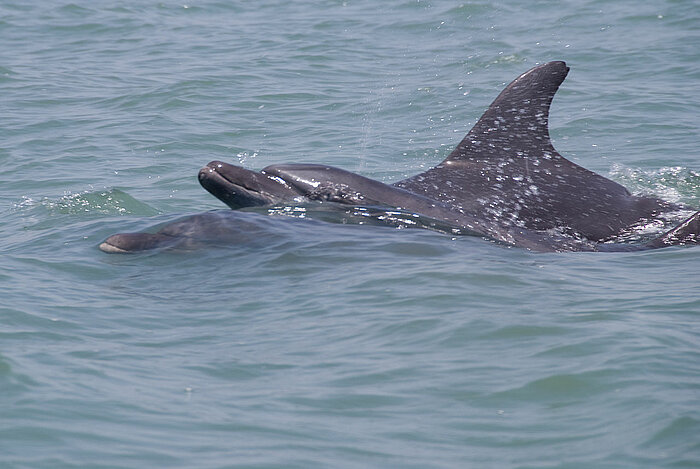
<point x="504" y="181"/>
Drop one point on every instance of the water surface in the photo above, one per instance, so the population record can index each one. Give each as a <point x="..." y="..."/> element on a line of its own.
<point x="326" y="345"/>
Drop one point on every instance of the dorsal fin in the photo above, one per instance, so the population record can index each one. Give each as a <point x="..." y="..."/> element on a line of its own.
<point x="507" y="168"/>
<point x="518" y="118"/>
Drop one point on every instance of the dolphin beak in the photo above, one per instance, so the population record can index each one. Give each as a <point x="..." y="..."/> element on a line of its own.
<point x="239" y="187"/>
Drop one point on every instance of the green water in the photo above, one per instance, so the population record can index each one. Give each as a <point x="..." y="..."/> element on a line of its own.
<point x="312" y="344"/>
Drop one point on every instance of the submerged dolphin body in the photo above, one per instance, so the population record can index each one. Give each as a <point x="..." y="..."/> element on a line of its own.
<point x="504" y="181"/>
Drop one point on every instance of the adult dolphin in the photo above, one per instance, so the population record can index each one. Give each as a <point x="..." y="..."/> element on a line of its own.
<point x="504" y="181"/>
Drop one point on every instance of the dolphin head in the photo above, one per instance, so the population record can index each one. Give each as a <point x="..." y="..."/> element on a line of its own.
<point x="239" y="187"/>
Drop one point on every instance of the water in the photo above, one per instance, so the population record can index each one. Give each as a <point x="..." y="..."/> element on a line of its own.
<point x="325" y="345"/>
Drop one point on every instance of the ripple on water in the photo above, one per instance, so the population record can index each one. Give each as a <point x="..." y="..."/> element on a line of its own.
<point x="311" y="344"/>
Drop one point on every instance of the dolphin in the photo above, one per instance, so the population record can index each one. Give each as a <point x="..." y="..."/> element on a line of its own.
<point x="504" y="181"/>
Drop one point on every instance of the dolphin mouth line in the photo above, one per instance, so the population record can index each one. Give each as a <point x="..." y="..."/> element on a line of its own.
<point x="209" y="172"/>
<point x="233" y="193"/>
<point x="239" y="187"/>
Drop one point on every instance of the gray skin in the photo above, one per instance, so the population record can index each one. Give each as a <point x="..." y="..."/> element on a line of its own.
<point x="215" y="228"/>
<point x="504" y="181"/>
